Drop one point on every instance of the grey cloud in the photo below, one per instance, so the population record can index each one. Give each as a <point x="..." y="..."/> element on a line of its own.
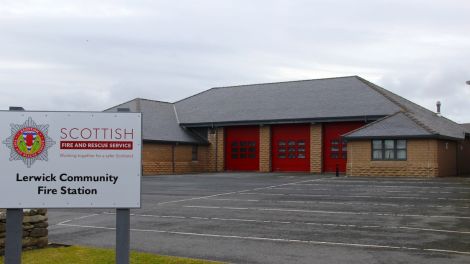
<point x="90" y="56"/>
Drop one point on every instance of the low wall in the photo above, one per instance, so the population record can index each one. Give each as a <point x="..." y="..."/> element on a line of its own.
<point x="35" y="232"/>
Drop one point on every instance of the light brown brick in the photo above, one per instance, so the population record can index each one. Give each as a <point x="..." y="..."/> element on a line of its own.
<point x="265" y="148"/>
<point x="158" y="159"/>
<point x="423" y="159"/>
<point x="316" y="145"/>
<point x="216" y="150"/>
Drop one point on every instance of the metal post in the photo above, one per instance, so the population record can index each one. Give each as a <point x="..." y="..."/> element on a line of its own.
<point x="122" y="236"/>
<point x="14" y="227"/>
<point x="337" y="170"/>
<point x="123" y="227"/>
<point x="14" y="236"/>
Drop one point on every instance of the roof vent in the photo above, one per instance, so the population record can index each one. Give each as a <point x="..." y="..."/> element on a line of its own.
<point x="123" y="109"/>
<point x="16" y="108"/>
<point x="438" y="105"/>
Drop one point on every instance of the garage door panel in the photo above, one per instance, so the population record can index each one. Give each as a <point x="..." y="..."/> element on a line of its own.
<point x="334" y="146"/>
<point x="290" y="146"/>
<point x="242" y="148"/>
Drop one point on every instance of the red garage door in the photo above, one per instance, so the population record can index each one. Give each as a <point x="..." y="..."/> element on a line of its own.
<point x="242" y="148"/>
<point x="335" y="148"/>
<point x="291" y="147"/>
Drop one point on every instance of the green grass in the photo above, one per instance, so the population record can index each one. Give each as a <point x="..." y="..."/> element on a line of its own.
<point x="85" y="255"/>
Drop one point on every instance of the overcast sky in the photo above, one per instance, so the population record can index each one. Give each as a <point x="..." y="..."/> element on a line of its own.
<point x="91" y="55"/>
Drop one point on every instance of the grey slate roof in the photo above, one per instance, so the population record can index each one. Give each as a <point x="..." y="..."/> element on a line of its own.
<point x="396" y="126"/>
<point x="438" y="126"/>
<point x="466" y="127"/>
<point x="159" y="121"/>
<point x="345" y="97"/>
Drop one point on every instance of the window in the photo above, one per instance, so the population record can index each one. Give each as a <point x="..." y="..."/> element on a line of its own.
<point x="194" y="153"/>
<point x="334" y="149"/>
<point x="389" y="149"/>
<point x="243" y="150"/>
<point x="291" y="149"/>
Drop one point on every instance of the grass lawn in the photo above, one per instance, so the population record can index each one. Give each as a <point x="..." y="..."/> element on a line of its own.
<point x="85" y="255"/>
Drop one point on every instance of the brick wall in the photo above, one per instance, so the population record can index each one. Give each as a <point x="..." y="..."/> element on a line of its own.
<point x="157" y="158"/>
<point x="464" y="157"/>
<point x="216" y="160"/>
<point x="184" y="162"/>
<point x="265" y="148"/>
<point x="316" y="148"/>
<point x="422" y="160"/>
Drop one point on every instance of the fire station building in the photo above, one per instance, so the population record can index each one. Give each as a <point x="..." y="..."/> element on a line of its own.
<point x="318" y="126"/>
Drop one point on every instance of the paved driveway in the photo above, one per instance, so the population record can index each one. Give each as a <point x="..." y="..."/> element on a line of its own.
<point x="288" y="218"/>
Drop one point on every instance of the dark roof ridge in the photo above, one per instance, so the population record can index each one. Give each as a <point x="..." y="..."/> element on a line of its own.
<point x="294" y="81"/>
<point x="267" y="83"/>
<point x="419" y="123"/>
<point x="410" y="113"/>
<point x="441" y="116"/>
<point x="378" y="89"/>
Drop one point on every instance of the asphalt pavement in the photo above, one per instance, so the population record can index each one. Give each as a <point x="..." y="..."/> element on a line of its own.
<point x="288" y="218"/>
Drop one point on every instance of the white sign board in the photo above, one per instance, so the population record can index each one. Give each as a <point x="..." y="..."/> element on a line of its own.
<point x="70" y="160"/>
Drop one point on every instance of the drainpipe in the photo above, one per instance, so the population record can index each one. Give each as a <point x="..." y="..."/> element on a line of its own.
<point x="457" y="146"/>
<point x="429" y="158"/>
<point x="173" y="157"/>
<point x="350" y="159"/>
<point x="216" y="149"/>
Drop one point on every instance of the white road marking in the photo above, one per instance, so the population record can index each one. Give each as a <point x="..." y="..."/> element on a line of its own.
<point x="237" y="192"/>
<point x="424" y="182"/>
<point x="372" y="190"/>
<point x="376" y="204"/>
<point x="342" y="203"/>
<point x="298" y="223"/>
<point x="198" y="198"/>
<point x="431" y="192"/>
<point x="384" y="186"/>
<point x="326" y="212"/>
<point x="356" y="196"/>
<point x="296" y="189"/>
<point x="232" y="200"/>
<point x="76" y="218"/>
<point x="313" y="242"/>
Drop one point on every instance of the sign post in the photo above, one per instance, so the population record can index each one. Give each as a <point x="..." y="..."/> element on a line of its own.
<point x="122" y="236"/>
<point x="14" y="236"/>
<point x="123" y="227"/>
<point x="69" y="160"/>
<point x="14" y="229"/>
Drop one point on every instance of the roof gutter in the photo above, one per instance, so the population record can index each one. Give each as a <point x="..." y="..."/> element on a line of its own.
<point x="367" y="118"/>
<point x="175" y="142"/>
<point x="434" y="136"/>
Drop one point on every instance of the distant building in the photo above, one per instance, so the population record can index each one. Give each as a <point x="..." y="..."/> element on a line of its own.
<point x="318" y="126"/>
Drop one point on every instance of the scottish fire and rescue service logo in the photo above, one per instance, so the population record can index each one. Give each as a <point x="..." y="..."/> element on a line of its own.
<point x="28" y="142"/>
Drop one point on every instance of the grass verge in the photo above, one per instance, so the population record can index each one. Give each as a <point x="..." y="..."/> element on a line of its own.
<point x="86" y="255"/>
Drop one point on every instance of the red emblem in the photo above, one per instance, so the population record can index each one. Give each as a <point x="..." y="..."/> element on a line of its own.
<point x="29" y="142"/>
